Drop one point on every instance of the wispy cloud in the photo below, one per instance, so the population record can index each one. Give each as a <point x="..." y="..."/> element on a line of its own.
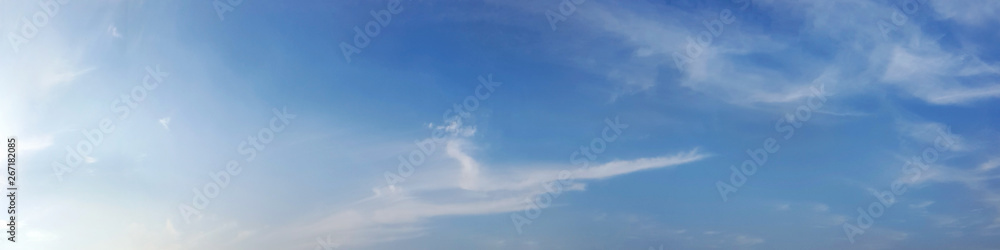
<point x="938" y="77"/>
<point x="113" y="31"/>
<point x="165" y="122"/>
<point x="473" y="189"/>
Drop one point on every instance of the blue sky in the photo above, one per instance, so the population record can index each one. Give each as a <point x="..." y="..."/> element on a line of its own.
<point x="583" y="124"/>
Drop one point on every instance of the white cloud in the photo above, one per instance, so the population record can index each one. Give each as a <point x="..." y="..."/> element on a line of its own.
<point x="933" y="75"/>
<point x="989" y="165"/>
<point x="113" y="31"/>
<point x="744" y="240"/>
<point x="784" y="207"/>
<point x="747" y="64"/>
<point x="931" y="134"/>
<point x="821" y="208"/>
<point x="921" y="205"/>
<point x="974" y="179"/>
<point x="966" y="13"/>
<point x="165" y="121"/>
<point x="395" y="212"/>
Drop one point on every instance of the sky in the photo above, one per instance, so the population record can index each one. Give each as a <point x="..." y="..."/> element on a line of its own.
<point x="491" y="124"/>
